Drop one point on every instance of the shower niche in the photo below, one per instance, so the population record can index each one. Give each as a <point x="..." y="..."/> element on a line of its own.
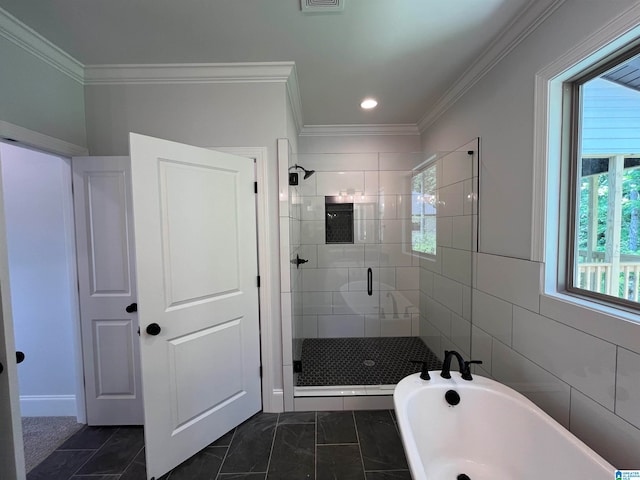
<point x="338" y="218"/>
<point x="387" y="240"/>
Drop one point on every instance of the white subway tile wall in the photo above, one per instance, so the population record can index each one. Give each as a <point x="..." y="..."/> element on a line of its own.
<point x="608" y="434"/>
<point x="339" y="183"/>
<point x="456" y="166"/>
<point x="461" y="334"/>
<point x="445" y="280"/>
<point x="493" y="315"/>
<point x="482" y="344"/>
<point x="333" y="284"/>
<point x="291" y="302"/>
<point x="541" y="387"/>
<point x="336" y="326"/>
<point x="628" y="386"/>
<point x="581" y="360"/>
<point x="516" y="281"/>
<point x="579" y="365"/>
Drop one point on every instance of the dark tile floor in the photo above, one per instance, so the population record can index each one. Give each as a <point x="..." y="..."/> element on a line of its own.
<point x="362" y="445"/>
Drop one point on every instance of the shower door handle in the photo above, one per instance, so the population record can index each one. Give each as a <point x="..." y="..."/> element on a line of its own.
<point x="369" y="281"/>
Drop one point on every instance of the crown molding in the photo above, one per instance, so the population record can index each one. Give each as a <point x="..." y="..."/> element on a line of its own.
<point x="536" y="12"/>
<point x="172" y="73"/>
<point x="30" y="138"/>
<point x="361" y="129"/>
<point x="31" y="41"/>
<point x="194" y="73"/>
<point x="295" y="100"/>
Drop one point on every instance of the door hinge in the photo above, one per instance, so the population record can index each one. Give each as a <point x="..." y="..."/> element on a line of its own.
<point x="260" y="371"/>
<point x="258" y="277"/>
<point x="255" y="187"/>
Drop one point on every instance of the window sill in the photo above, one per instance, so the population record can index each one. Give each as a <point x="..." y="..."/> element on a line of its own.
<point x="424" y="256"/>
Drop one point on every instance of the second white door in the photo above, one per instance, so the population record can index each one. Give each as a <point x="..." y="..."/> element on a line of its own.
<point x="107" y="290"/>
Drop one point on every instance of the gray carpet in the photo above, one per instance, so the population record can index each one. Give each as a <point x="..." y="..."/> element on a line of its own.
<point x="42" y="435"/>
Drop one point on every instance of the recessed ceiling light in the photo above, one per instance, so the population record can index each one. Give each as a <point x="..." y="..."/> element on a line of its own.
<point x="369" y="103"/>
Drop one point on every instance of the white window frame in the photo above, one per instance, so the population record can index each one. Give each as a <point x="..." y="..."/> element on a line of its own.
<point x="572" y="131"/>
<point x="431" y="162"/>
<point x="549" y="210"/>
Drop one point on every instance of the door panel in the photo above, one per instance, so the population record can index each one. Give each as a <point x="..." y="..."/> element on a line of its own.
<point x="108" y="244"/>
<point x="114" y="366"/>
<point x="217" y="345"/>
<point x="195" y="225"/>
<point x="106" y="274"/>
<point x="198" y="199"/>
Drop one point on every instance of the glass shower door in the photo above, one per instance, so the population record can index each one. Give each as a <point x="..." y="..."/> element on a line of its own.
<point x="380" y="266"/>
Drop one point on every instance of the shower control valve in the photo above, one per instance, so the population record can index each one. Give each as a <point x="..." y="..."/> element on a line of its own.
<point x="298" y="261"/>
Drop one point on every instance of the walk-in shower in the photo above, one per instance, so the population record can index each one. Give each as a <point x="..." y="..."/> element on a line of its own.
<point x="379" y="261"/>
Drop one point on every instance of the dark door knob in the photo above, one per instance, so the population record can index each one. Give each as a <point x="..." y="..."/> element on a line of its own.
<point x="153" y="329"/>
<point x="132" y="308"/>
<point x="19" y="357"/>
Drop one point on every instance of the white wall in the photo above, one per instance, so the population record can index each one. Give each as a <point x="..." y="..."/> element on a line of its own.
<point x="581" y="366"/>
<point x="36" y="96"/>
<point x="206" y="115"/>
<point x="39" y="213"/>
<point x="358" y="143"/>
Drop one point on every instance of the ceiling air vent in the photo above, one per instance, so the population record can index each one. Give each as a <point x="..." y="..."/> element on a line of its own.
<point x="322" y="6"/>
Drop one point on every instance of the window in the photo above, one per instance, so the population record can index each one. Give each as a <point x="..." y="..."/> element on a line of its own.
<point x="423" y="210"/>
<point x="604" y="238"/>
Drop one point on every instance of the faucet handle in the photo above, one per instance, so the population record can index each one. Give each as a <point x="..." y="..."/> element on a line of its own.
<point x="424" y="373"/>
<point x="466" y="375"/>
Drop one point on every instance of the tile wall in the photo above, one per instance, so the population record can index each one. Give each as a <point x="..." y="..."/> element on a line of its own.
<point x="290" y="279"/>
<point x="590" y="383"/>
<point x="446" y="279"/>
<point x="334" y="299"/>
<point x="579" y="365"/>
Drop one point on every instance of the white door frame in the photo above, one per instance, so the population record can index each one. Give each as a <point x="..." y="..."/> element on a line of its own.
<point x="272" y="399"/>
<point x="72" y="251"/>
<point x="63" y="152"/>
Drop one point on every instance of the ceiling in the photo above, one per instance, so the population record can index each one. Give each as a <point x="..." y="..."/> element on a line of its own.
<point x="406" y="53"/>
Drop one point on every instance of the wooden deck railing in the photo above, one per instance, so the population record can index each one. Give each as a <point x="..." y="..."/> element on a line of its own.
<point x="596" y="277"/>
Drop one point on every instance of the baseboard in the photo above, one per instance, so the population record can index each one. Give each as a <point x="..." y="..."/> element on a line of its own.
<point x="275" y="402"/>
<point x="48" y="405"/>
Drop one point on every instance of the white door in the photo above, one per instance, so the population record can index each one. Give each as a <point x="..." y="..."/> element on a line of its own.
<point x="11" y="448"/>
<point x="196" y="258"/>
<point x="107" y="290"/>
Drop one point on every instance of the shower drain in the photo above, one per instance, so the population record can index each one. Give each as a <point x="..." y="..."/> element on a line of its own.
<point x="369" y="363"/>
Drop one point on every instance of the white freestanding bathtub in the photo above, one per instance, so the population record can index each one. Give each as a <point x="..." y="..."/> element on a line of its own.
<point x="493" y="433"/>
